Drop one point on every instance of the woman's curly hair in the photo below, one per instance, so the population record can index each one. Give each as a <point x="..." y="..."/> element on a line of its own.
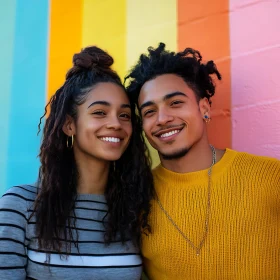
<point x="130" y="183"/>
<point x="186" y="64"/>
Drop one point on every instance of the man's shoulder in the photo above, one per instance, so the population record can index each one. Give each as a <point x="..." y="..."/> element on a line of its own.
<point x="260" y="166"/>
<point x="257" y="158"/>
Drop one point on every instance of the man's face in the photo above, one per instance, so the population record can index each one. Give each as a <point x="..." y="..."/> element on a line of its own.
<point x="172" y="117"/>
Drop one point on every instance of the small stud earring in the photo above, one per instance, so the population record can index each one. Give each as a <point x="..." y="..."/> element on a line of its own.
<point x="207" y="119"/>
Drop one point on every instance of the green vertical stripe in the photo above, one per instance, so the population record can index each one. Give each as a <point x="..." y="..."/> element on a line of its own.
<point x="7" y="30"/>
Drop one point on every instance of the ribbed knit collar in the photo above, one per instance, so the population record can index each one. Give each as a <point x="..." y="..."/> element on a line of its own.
<point x="202" y="175"/>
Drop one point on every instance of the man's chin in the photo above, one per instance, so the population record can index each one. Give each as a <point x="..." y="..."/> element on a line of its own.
<point x="174" y="155"/>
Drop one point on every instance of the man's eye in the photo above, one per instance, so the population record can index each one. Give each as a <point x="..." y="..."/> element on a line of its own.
<point x="148" y="112"/>
<point x="176" y="102"/>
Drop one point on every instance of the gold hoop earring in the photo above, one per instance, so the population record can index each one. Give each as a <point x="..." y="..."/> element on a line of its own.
<point x="70" y="146"/>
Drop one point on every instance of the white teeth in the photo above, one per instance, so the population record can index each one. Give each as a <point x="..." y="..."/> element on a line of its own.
<point x="169" y="133"/>
<point x="110" y="139"/>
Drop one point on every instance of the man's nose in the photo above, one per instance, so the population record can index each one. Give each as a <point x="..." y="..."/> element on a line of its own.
<point x="164" y="117"/>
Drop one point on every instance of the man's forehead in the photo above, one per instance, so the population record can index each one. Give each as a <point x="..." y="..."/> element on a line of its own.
<point x="158" y="89"/>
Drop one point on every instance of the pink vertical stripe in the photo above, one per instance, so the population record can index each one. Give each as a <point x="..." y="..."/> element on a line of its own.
<point x="255" y="51"/>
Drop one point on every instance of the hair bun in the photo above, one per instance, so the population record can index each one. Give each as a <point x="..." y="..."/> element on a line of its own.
<point x="91" y="58"/>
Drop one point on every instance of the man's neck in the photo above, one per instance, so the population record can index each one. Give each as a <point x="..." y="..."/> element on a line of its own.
<point x="199" y="157"/>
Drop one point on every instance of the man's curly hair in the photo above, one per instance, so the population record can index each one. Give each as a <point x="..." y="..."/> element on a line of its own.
<point x="186" y="64"/>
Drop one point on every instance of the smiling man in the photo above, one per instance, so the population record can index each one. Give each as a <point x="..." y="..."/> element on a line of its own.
<point x="216" y="213"/>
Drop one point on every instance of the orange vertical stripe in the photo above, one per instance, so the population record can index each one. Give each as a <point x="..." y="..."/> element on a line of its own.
<point x="204" y="25"/>
<point x="65" y="40"/>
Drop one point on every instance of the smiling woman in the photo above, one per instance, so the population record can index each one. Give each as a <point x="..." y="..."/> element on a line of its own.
<point x="85" y="215"/>
<point x="103" y="128"/>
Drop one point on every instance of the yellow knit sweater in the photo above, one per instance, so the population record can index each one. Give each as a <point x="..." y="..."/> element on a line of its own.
<point x="244" y="230"/>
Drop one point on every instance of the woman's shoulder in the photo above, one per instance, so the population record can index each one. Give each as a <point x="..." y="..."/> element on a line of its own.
<point x="19" y="196"/>
<point x="25" y="191"/>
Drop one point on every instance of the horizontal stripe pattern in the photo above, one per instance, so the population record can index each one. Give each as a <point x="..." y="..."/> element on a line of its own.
<point x="93" y="260"/>
<point x="19" y="246"/>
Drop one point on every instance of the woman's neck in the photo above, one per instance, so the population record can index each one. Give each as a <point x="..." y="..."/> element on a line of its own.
<point x="92" y="176"/>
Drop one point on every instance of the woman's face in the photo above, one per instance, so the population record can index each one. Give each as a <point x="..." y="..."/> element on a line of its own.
<point x="103" y="127"/>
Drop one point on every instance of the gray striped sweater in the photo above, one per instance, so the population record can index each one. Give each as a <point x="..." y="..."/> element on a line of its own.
<point x="21" y="259"/>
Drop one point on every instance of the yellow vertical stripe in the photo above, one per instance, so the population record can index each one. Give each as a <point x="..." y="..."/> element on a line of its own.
<point x="104" y="25"/>
<point x="65" y="40"/>
<point x="148" y="23"/>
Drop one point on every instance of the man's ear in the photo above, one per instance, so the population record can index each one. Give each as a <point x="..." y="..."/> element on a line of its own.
<point x="205" y="108"/>
<point x="69" y="127"/>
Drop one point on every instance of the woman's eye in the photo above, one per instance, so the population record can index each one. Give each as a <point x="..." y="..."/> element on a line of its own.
<point x="99" y="113"/>
<point x="125" y="116"/>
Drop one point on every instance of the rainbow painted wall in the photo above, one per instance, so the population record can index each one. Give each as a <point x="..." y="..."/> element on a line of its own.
<point x="39" y="38"/>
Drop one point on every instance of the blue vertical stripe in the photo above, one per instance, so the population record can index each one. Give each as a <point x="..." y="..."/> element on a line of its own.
<point x="7" y="26"/>
<point x="28" y="92"/>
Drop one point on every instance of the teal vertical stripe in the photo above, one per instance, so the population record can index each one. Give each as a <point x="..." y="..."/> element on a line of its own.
<point x="7" y="26"/>
<point x="28" y="90"/>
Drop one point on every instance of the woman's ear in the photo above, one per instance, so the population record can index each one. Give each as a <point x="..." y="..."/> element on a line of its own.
<point x="69" y="126"/>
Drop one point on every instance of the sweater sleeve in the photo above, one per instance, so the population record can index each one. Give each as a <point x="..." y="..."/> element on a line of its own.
<point x="13" y="221"/>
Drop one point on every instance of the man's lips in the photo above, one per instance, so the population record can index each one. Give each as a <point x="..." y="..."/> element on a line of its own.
<point x="168" y="131"/>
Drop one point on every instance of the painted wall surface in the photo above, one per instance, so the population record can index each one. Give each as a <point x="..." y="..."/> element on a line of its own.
<point x="24" y="44"/>
<point x="148" y="23"/>
<point x="204" y="25"/>
<point x="39" y="38"/>
<point x="255" y="60"/>
<point x="7" y="26"/>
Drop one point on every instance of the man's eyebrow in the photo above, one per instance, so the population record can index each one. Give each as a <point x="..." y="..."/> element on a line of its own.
<point x="166" y="97"/>
<point x="172" y="94"/>
<point x="146" y="104"/>
<point x="101" y="102"/>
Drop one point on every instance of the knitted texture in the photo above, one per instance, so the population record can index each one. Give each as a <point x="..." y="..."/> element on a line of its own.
<point x="243" y="241"/>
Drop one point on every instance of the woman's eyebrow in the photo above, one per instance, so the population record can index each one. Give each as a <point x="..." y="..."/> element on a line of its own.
<point x="101" y="102"/>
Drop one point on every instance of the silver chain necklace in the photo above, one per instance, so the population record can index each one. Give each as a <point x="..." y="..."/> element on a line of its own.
<point x="206" y="227"/>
